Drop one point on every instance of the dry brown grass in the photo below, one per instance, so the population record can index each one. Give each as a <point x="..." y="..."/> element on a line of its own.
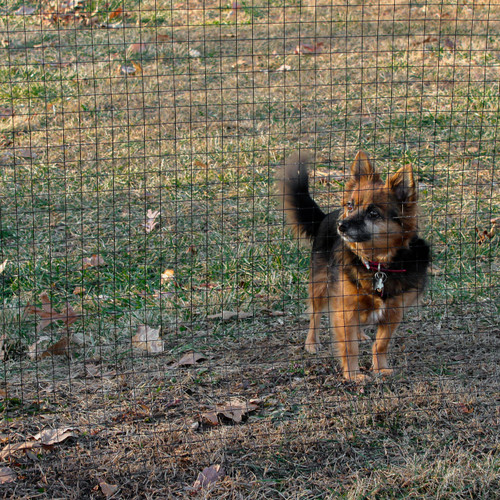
<point x="90" y="150"/>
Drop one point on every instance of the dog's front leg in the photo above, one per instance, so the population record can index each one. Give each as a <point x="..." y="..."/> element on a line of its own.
<point x="347" y="332"/>
<point x="386" y="328"/>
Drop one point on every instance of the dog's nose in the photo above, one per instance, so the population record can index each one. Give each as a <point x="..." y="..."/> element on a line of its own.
<point x="341" y="227"/>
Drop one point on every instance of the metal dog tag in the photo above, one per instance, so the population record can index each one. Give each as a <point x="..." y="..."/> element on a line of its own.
<point x="380" y="278"/>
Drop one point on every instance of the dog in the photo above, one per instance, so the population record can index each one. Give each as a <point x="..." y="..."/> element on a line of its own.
<point x="367" y="264"/>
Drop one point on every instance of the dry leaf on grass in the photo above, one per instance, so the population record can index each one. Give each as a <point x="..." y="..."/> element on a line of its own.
<point x="49" y="437"/>
<point x="108" y="490"/>
<point x="94" y="261"/>
<point x="49" y="315"/>
<point x="60" y="348"/>
<point x="151" y="221"/>
<point x="116" y="13"/>
<point x="148" y="339"/>
<point x="234" y="410"/>
<point x="208" y="476"/>
<point x="10" y="449"/>
<point x="166" y="276"/>
<point x="137" y="48"/>
<point x="284" y="67"/>
<point x="7" y="475"/>
<point x="6" y="113"/>
<point x="309" y="48"/>
<point x="228" y="315"/>
<point x="189" y="359"/>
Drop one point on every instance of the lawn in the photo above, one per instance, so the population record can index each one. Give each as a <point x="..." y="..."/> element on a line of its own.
<point x="138" y="147"/>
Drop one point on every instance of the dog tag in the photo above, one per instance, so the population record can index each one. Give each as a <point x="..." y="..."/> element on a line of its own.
<point x="379" y="280"/>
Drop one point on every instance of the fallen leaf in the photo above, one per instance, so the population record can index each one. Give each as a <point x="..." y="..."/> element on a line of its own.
<point x="163" y="38"/>
<point x="189" y="359"/>
<point x="148" y="339"/>
<point x="7" y="475"/>
<point x="10" y="449"/>
<point x="79" y="290"/>
<point x="227" y="315"/>
<point x="208" y="476"/>
<point x="94" y="261"/>
<point x="239" y="63"/>
<point x="428" y="39"/>
<point x="116" y="13"/>
<point x="151" y="221"/>
<point x="234" y="410"/>
<point x="284" y="67"/>
<point x="194" y="53"/>
<point x="161" y="295"/>
<point x="49" y="437"/>
<point x="166" y="276"/>
<point x="25" y="10"/>
<point x="137" y="67"/>
<point x="309" y="48"/>
<point x="108" y="490"/>
<point x="137" y="48"/>
<point x="48" y="315"/>
<point x="60" y="348"/>
<point x="3" y="265"/>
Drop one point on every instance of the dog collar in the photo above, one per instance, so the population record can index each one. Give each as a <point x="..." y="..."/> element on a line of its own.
<point x="380" y="267"/>
<point x="380" y="277"/>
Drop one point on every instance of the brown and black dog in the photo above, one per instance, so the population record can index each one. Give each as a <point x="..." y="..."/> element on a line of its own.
<point x="367" y="264"/>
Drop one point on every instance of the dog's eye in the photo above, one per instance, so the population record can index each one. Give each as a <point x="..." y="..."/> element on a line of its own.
<point x="350" y="206"/>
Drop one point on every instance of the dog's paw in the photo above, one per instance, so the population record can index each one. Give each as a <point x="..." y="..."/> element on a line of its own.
<point x="357" y="376"/>
<point x="312" y="348"/>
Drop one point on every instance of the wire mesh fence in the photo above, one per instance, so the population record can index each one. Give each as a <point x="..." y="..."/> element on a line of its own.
<point x="154" y="302"/>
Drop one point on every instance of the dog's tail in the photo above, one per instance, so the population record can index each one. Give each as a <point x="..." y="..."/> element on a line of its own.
<point x="301" y="211"/>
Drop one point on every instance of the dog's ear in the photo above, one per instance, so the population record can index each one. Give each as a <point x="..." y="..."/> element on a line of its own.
<point x="403" y="185"/>
<point x="362" y="167"/>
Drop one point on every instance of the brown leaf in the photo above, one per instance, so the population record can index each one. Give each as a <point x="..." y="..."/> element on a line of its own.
<point x="148" y="339"/>
<point x="116" y="13"/>
<point x="428" y="39"/>
<point x="10" y="449"/>
<point x="137" y="48"/>
<point x="48" y="315"/>
<point x="79" y="290"/>
<point x="208" y="476"/>
<point x="7" y="475"/>
<point x="137" y="67"/>
<point x="94" y="261"/>
<point x="49" y="437"/>
<point x="309" y="48"/>
<point x="163" y="38"/>
<point x="60" y="348"/>
<point x="108" y="490"/>
<point x="234" y="410"/>
<point x="189" y="359"/>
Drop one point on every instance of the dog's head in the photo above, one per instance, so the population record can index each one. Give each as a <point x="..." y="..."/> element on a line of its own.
<point x="378" y="217"/>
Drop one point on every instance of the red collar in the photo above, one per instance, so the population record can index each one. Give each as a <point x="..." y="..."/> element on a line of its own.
<point x="380" y="266"/>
